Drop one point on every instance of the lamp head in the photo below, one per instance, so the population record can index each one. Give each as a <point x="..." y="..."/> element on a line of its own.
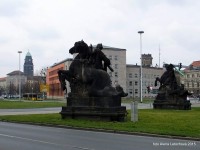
<point x="140" y="32"/>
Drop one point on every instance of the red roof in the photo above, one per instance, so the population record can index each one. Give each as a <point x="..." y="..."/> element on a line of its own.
<point x="3" y="79"/>
<point x="196" y="63"/>
<point x="15" y="73"/>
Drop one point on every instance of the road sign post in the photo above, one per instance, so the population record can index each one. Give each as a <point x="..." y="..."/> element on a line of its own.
<point x="134" y="111"/>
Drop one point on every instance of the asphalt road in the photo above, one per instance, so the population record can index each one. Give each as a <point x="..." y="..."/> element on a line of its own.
<point x="29" y="137"/>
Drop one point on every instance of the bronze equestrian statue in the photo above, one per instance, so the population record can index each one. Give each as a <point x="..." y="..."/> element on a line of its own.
<point x="92" y="95"/>
<point x="86" y="75"/>
<point x="171" y="95"/>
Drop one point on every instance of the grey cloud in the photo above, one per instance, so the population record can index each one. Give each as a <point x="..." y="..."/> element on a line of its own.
<point x="44" y="34"/>
<point x="46" y="27"/>
<point x="4" y="40"/>
<point x="10" y="8"/>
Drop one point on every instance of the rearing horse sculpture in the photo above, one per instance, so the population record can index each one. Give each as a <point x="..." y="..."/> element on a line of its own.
<point x="84" y="79"/>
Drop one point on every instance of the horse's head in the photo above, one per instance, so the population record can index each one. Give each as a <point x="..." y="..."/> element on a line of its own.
<point x="169" y="67"/>
<point x="79" y="47"/>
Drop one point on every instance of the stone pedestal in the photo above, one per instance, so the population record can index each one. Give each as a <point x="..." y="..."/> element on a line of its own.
<point x="172" y="99"/>
<point x="104" y="108"/>
<point x="167" y="104"/>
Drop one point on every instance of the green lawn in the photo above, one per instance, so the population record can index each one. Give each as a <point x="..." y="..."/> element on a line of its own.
<point x="28" y="104"/>
<point x="164" y="122"/>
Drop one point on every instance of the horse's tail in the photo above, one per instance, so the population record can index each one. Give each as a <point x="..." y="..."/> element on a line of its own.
<point x="157" y="79"/>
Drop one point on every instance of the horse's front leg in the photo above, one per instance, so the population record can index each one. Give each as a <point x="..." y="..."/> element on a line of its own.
<point x="62" y="75"/>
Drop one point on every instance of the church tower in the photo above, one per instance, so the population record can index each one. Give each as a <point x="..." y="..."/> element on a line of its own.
<point x="28" y="65"/>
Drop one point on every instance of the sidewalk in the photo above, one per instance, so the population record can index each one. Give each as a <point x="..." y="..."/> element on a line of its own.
<point x="140" y="105"/>
<point x="195" y="103"/>
<point x="4" y="112"/>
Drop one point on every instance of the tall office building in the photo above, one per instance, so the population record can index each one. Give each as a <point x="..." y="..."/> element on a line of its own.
<point x="28" y="65"/>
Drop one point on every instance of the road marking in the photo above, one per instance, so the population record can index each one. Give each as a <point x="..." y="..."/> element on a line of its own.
<point x="44" y="142"/>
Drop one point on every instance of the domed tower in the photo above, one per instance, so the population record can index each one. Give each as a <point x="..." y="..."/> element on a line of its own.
<point x="28" y="65"/>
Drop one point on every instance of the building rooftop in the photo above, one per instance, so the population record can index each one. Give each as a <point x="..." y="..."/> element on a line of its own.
<point x="196" y="63"/>
<point x="132" y="66"/>
<point x="138" y="66"/>
<point x="111" y="48"/>
<point x="63" y="61"/>
<point x="16" y="72"/>
<point x="28" y="54"/>
<point x="2" y="79"/>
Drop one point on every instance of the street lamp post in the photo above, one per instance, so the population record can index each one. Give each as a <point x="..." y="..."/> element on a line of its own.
<point x="140" y="32"/>
<point x="19" y="77"/>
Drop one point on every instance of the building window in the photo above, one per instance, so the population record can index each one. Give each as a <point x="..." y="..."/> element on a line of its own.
<point x="136" y="91"/>
<point x="110" y="57"/>
<point x="130" y="75"/>
<point x="136" y="83"/>
<point x="130" y="83"/>
<point x="192" y="84"/>
<point x="130" y="91"/>
<point x="116" y="66"/>
<point x="116" y="74"/>
<point x="116" y="57"/>
<point x="136" y="75"/>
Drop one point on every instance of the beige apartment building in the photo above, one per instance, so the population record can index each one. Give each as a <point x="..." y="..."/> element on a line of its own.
<point x="128" y="76"/>
<point x="3" y="86"/>
<point x="117" y="58"/>
<point x="133" y="80"/>
<point x="191" y="78"/>
<point x="12" y="81"/>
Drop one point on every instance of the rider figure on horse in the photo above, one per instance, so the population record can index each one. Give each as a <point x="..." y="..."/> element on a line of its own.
<point x="98" y="59"/>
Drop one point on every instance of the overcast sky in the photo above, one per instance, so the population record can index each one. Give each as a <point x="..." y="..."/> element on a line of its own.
<point x="48" y="28"/>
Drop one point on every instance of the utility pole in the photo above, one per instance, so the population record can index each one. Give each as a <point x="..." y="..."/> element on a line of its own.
<point x="19" y="76"/>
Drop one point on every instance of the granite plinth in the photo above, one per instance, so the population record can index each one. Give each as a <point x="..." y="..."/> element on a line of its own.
<point x="167" y="104"/>
<point x="104" y="108"/>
